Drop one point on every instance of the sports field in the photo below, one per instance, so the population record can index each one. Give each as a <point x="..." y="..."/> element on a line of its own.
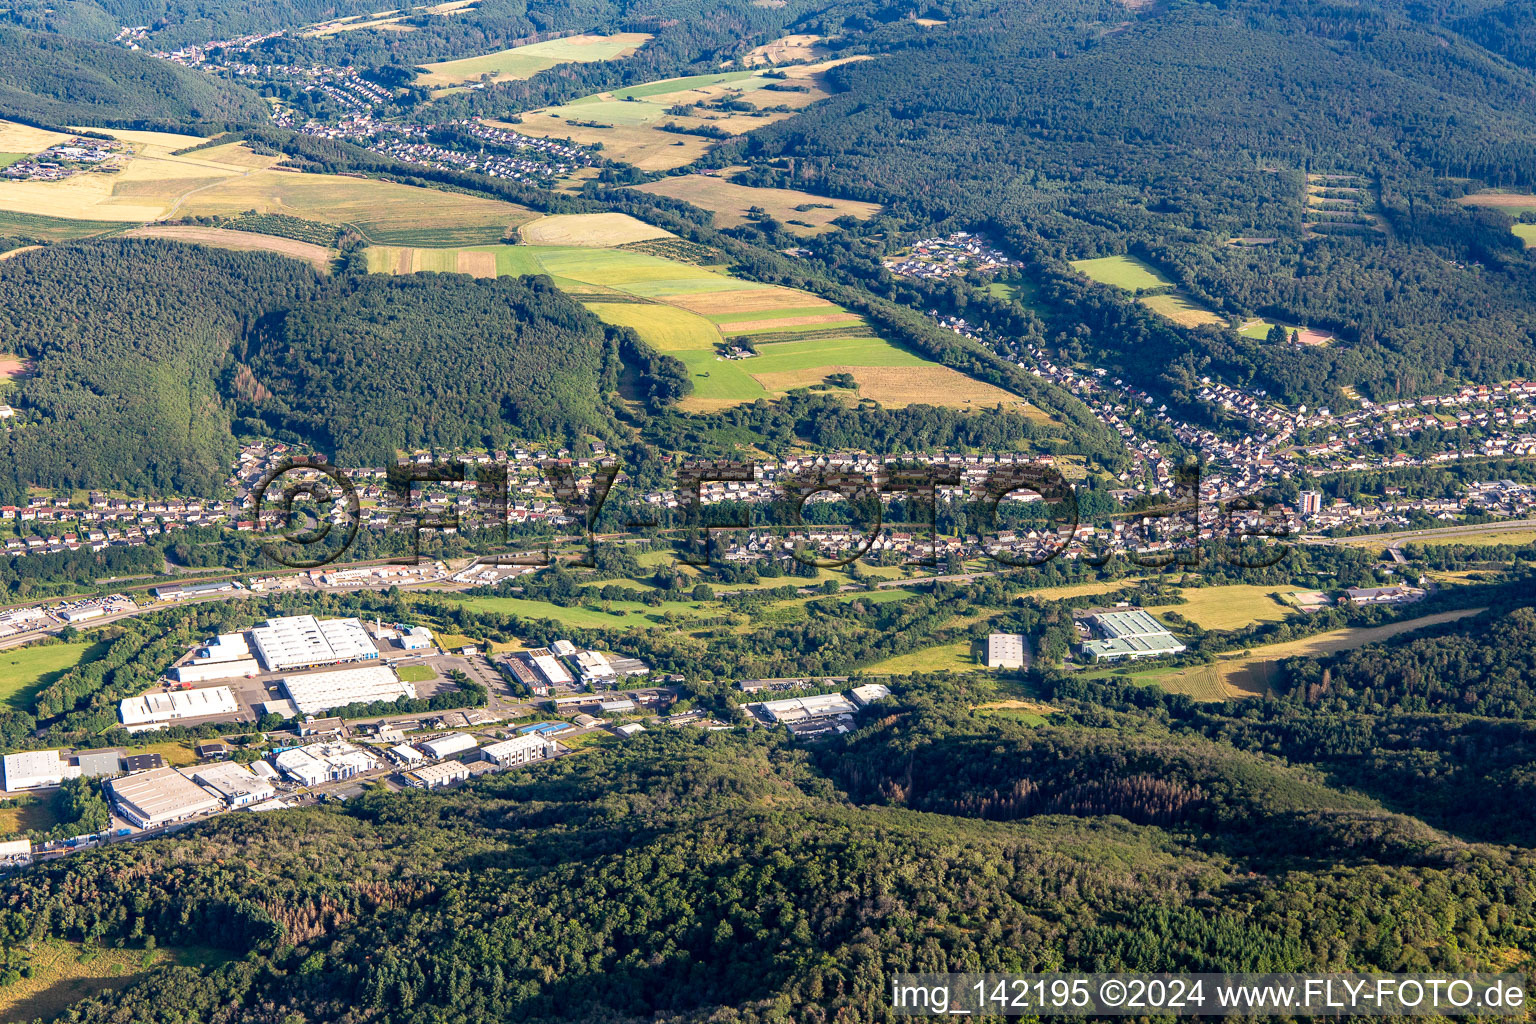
<point x="1126" y="272"/>
<point x="527" y="61"/>
<point x="25" y="670"/>
<point x="801" y="212"/>
<point x="1250" y="674"/>
<point x="416" y="673"/>
<point x="630" y="123"/>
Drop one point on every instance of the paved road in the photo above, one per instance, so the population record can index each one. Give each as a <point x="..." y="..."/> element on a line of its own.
<point x="1392" y="540"/>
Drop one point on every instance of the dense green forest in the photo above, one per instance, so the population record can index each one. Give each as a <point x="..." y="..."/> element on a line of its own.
<point x="48" y="80"/>
<point x="688" y="876"/>
<point x="142" y="367"/>
<point x="1072" y="130"/>
<point x="431" y="360"/>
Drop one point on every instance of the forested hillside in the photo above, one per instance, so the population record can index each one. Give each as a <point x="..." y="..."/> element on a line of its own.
<point x="432" y="360"/>
<point x="126" y="347"/>
<point x="691" y="876"/>
<point x="1073" y="130"/>
<point x="50" y="80"/>
<point x="143" y="354"/>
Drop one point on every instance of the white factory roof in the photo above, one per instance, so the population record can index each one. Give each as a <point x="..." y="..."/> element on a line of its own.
<point x="794" y="709"/>
<point x="205" y="671"/>
<point x="34" y="768"/>
<point x="406" y="752"/>
<point x="592" y="663"/>
<point x="302" y="641"/>
<point x="448" y="743"/>
<point x="552" y="669"/>
<point x="236" y="783"/>
<point x="869" y="693"/>
<point x="263" y="770"/>
<point x="226" y="647"/>
<point x="160" y="796"/>
<point x="517" y="746"/>
<point x="165" y="707"/>
<point x="315" y="692"/>
<point x="434" y="775"/>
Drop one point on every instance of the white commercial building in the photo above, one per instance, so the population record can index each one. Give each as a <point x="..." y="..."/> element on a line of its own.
<point x="324" y="762"/>
<point x="417" y="638"/>
<point x="593" y="665"/>
<point x="94" y="611"/>
<point x="316" y="692"/>
<point x="553" y="671"/>
<point x="36" y="769"/>
<point x="159" y="797"/>
<point x="15" y="850"/>
<point x="434" y="775"/>
<point x="404" y="753"/>
<point x="236" y="784"/>
<point x="869" y="693"/>
<point x="801" y="709"/>
<point x="518" y="750"/>
<point x="210" y="671"/>
<point x="447" y="744"/>
<point x="303" y="641"/>
<point x="155" y="708"/>
<point x="1005" y="650"/>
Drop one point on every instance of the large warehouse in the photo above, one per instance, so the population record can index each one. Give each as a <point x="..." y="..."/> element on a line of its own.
<point x="225" y="657"/>
<point x="1130" y="635"/>
<point x="303" y="641"/>
<point x="36" y="769"/>
<point x="237" y="784"/>
<point x="159" y="797"/>
<point x="156" y="708"/>
<point x="518" y="750"/>
<point x="316" y="692"/>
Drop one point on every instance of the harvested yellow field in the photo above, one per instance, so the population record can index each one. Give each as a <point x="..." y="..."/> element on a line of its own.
<point x="318" y="256"/>
<point x="480" y="264"/>
<point x="829" y="319"/>
<point x="1231" y="607"/>
<point x="754" y="300"/>
<point x="642" y="146"/>
<point x="1250" y="674"/>
<point x="631" y="123"/>
<point x="787" y="50"/>
<point x="596" y="230"/>
<point x="896" y="386"/>
<point x="1076" y="590"/>
<point x="522" y="62"/>
<point x="383" y="211"/>
<point x="801" y="212"/>
<point x="1181" y="310"/>
<point x="23" y="138"/>
<point x="149" y="186"/>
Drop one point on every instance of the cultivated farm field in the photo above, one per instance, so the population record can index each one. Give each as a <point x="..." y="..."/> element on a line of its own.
<point x="1250" y="674"/>
<point x="527" y="61"/>
<point x="690" y="311"/>
<point x="631" y="123"/>
<point x="317" y="256"/>
<point x="801" y="212"/>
